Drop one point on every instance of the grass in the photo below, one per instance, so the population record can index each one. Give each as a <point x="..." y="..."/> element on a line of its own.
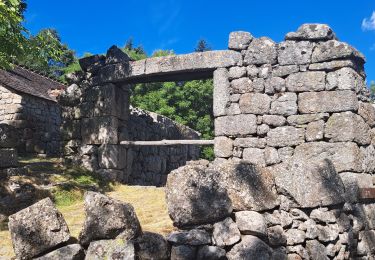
<point x="67" y="186"/>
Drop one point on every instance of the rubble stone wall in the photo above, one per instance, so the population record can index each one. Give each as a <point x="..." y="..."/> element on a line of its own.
<point x="37" y="120"/>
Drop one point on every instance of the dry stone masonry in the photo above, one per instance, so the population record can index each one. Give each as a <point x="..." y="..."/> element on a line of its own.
<point x="294" y="170"/>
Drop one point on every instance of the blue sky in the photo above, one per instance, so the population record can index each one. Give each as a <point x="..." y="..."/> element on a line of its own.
<point x="93" y="26"/>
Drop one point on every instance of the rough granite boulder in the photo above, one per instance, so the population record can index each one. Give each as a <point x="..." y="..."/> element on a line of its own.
<point x="194" y="237"/>
<point x="335" y="50"/>
<point x="325" y="187"/>
<point x="111" y="249"/>
<point x="183" y="252"/>
<point x="195" y="196"/>
<point x="71" y="252"/>
<point x="312" y="32"/>
<point x="116" y="55"/>
<point x="37" y="229"/>
<point x="211" y="253"/>
<point x="261" y="51"/>
<point x="152" y="246"/>
<point x="251" y="223"/>
<point x="248" y="186"/>
<point x="250" y="248"/>
<point x="108" y="218"/>
<point x="225" y="233"/>
<point x="295" y="53"/>
<point x="306" y="81"/>
<point x="239" y="40"/>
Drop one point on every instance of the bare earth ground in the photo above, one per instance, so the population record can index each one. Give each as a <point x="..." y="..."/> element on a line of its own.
<point x="149" y="204"/>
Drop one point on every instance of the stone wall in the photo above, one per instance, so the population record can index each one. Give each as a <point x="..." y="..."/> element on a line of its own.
<point x="37" y="120"/>
<point x="96" y="118"/>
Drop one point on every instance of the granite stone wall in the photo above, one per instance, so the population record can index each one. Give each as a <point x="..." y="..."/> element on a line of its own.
<point x="37" y="121"/>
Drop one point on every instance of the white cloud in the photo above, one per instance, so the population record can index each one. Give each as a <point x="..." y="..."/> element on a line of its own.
<point x="369" y="24"/>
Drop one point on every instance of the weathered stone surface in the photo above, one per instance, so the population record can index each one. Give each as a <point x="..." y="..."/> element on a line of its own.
<point x="368" y="158"/>
<point x="152" y="246"/>
<point x="265" y="71"/>
<point x="107" y="218"/>
<point x="250" y="142"/>
<point x="261" y="51"/>
<point x="225" y="233"/>
<point x="195" y="196"/>
<point x="258" y="85"/>
<point x="335" y="50"/>
<point x="71" y="252"/>
<point x="8" y="158"/>
<point x="282" y="71"/>
<point x="262" y="130"/>
<point x="236" y="125"/>
<point x="116" y="55"/>
<point x="274" y="85"/>
<point x="251" y="223"/>
<point x="325" y="185"/>
<point x="284" y="104"/>
<point x="241" y="85"/>
<point x="353" y="182"/>
<point x="239" y="40"/>
<point x="335" y="64"/>
<point x="271" y="156"/>
<point x="323" y="215"/>
<point x="345" y="79"/>
<point x="294" y="53"/>
<point x="312" y="32"/>
<point x="194" y="237"/>
<point x="70" y="96"/>
<point x="327" y="101"/>
<point x="37" y="229"/>
<point x="316" y="250"/>
<point x="221" y="91"/>
<point x="99" y="130"/>
<point x="347" y="126"/>
<point x="183" y="252"/>
<point x="295" y="236"/>
<point x="111" y="249"/>
<point x="285" y="136"/>
<point x="112" y="156"/>
<point x="274" y="120"/>
<point x="315" y="131"/>
<point x="223" y="147"/>
<point x="344" y="156"/>
<point x="367" y="111"/>
<point x="300" y="250"/>
<point x="305" y="119"/>
<point x="276" y="236"/>
<point x="254" y="156"/>
<point x="255" y="103"/>
<point x="237" y="72"/>
<point x="211" y="253"/>
<point x="250" y="248"/>
<point x="366" y="244"/>
<point x="233" y="109"/>
<point x="328" y="233"/>
<point x="306" y="81"/>
<point x="248" y="187"/>
<point x="285" y="153"/>
<point x="87" y="63"/>
<point x="8" y="136"/>
<point x="252" y="71"/>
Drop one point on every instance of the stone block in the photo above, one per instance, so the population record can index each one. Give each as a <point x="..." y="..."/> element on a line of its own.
<point x="73" y="252"/>
<point x="99" y="130"/>
<point x="183" y="252"/>
<point x="258" y="85"/>
<point x="116" y="55"/>
<point x="282" y="71"/>
<point x="223" y="147"/>
<point x="312" y="32"/>
<point x="237" y="72"/>
<point x="261" y="51"/>
<point x="285" y="136"/>
<point x="345" y="79"/>
<point x="112" y="156"/>
<point x="255" y="103"/>
<point x="70" y="129"/>
<point x="111" y="249"/>
<point x="324" y="184"/>
<point x="221" y="91"/>
<point x="241" y="85"/>
<point x="251" y="223"/>
<point x="344" y="156"/>
<point x="236" y="125"/>
<point x="253" y="142"/>
<point x="367" y="111"/>
<point x="306" y="81"/>
<point x="275" y="85"/>
<point x="295" y="53"/>
<point x="152" y="246"/>
<point x="8" y="158"/>
<point x="315" y="131"/>
<point x="327" y="101"/>
<point x="284" y="104"/>
<point x="37" y="229"/>
<point x="250" y="247"/>
<point x="271" y="156"/>
<point x="254" y="156"/>
<point x="273" y="120"/>
<point x="305" y="119"/>
<point x="347" y="126"/>
<point x="239" y="40"/>
<point x="353" y="182"/>
<point x="211" y="253"/>
<point x="335" y="50"/>
<point x="193" y="237"/>
<point x="225" y="233"/>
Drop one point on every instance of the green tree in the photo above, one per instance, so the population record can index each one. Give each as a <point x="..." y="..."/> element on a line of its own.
<point x="135" y="53"/>
<point x="202" y="46"/>
<point x="12" y="32"/>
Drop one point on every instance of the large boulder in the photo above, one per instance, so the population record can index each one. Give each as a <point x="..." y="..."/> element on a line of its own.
<point x="261" y="51"/>
<point x="248" y="186"/>
<point x="107" y="218"/>
<point x="324" y="184"/>
<point x="312" y="32"/>
<point x="37" y="229"/>
<point x="111" y="249"/>
<point x="71" y="252"/>
<point x="195" y="196"/>
<point x="8" y="136"/>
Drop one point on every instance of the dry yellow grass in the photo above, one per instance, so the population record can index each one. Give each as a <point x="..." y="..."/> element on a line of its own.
<point x="149" y="204"/>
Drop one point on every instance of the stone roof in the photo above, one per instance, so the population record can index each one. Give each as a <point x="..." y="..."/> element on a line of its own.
<point x="25" y="81"/>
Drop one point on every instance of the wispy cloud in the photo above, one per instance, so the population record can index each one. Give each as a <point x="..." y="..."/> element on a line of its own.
<point x="368" y="24"/>
<point x="166" y="15"/>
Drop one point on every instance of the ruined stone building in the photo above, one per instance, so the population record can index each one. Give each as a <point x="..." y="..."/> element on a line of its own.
<point x="28" y="102"/>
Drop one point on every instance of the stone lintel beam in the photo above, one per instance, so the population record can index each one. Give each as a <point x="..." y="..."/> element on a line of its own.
<point x="199" y="65"/>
